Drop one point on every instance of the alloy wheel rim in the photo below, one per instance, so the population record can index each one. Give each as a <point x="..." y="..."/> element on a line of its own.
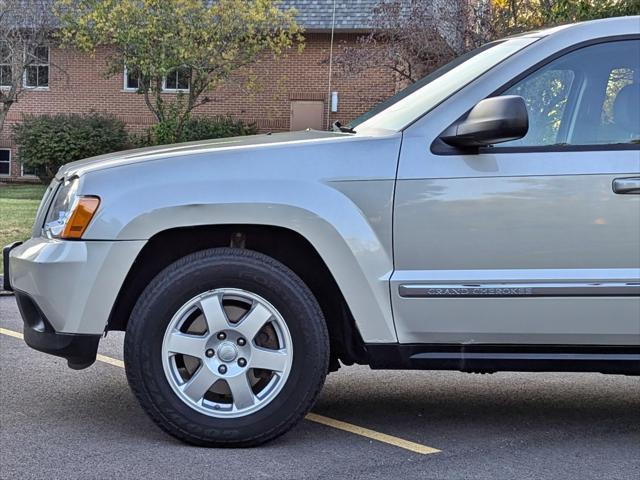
<point x="227" y="353"/>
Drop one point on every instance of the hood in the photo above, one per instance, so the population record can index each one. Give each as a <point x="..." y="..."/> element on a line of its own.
<point x="128" y="157"/>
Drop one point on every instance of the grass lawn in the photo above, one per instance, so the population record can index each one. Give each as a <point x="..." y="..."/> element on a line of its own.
<point x="18" y="205"/>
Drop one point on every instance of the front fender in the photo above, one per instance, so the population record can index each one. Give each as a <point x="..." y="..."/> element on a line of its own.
<point x="347" y="222"/>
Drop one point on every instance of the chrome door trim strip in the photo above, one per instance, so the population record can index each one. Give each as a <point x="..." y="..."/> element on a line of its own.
<point x="605" y="289"/>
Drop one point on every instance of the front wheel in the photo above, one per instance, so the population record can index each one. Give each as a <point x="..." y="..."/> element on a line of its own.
<point x="226" y="347"/>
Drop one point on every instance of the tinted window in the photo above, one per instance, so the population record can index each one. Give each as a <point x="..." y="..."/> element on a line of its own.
<point x="587" y="97"/>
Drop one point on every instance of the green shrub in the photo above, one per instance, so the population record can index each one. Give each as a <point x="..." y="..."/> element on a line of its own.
<point x="203" y="128"/>
<point x="45" y="142"/>
<point x="197" y="128"/>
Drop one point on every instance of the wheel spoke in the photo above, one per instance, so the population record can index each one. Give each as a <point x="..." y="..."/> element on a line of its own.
<point x="253" y="321"/>
<point x="192" y="345"/>
<point x="274" y="360"/>
<point x="243" y="396"/>
<point x="214" y="314"/>
<point x="199" y="383"/>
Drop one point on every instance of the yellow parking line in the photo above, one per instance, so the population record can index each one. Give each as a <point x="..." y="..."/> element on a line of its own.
<point x="372" y="434"/>
<point x="11" y="333"/>
<point x="313" y="417"/>
<point x="111" y="361"/>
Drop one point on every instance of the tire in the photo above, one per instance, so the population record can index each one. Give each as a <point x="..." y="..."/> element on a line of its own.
<point x="162" y="380"/>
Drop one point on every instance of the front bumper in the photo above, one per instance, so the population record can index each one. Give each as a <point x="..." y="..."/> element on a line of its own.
<point x="74" y="284"/>
<point x="79" y="350"/>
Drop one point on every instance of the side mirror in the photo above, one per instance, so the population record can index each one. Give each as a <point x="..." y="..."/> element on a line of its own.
<point x="492" y="120"/>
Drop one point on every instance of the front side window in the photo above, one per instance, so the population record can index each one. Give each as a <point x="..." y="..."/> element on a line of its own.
<point x="546" y="95"/>
<point x="36" y="74"/>
<point x="587" y="97"/>
<point x="5" y="66"/>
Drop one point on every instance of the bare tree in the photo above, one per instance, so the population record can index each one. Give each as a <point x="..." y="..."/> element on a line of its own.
<point x="25" y="33"/>
<point x="414" y="37"/>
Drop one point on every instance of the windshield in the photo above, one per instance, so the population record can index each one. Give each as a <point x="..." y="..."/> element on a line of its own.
<point x="417" y="99"/>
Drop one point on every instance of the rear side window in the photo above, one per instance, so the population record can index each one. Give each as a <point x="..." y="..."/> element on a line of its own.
<point x="590" y="96"/>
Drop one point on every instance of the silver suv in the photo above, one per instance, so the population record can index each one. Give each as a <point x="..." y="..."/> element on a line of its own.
<point x="486" y="218"/>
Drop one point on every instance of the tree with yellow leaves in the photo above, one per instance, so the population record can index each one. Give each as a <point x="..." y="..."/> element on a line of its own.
<point x="154" y="38"/>
<point x="514" y="16"/>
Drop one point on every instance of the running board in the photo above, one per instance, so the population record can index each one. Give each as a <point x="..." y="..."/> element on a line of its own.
<point x="489" y="358"/>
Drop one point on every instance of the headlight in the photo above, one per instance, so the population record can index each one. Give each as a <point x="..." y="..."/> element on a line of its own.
<point x="69" y="214"/>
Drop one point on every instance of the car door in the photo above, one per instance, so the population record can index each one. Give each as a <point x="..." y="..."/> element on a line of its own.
<point x="534" y="241"/>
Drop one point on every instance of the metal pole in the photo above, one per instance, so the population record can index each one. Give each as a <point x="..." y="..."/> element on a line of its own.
<point x="333" y="26"/>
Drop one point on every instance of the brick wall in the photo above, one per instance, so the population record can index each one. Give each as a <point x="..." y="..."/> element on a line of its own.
<point x="79" y="86"/>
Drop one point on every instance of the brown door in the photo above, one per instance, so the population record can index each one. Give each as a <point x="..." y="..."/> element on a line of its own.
<point x="307" y="114"/>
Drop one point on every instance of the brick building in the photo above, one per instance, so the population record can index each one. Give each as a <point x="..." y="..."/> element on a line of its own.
<point x="293" y="93"/>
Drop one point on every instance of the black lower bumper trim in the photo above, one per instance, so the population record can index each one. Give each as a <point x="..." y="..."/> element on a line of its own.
<point x="6" y="283"/>
<point x="79" y="350"/>
<point x="489" y="358"/>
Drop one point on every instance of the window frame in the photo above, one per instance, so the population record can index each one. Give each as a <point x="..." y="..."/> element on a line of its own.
<point x="438" y="147"/>
<point x="6" y="175"/>
<point x="48" y="65"/>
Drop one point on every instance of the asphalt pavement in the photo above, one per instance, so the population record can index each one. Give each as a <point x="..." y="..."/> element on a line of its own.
<point x="56" y="423"/>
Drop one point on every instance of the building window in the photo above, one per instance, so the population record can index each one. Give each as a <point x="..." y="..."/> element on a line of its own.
<point x="28" y="171"/>
<point x="131" y="79"/>
<point x="36" y="75"/>
<point x="5" y="65"/>
<point x="177" y="80"/>
<point x="5" y="161"/>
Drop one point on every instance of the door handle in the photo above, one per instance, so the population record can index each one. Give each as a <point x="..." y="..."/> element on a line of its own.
<point x="627" y="186"/>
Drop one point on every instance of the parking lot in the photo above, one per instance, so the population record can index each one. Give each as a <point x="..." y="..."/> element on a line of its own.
<point x="59" y="423"/>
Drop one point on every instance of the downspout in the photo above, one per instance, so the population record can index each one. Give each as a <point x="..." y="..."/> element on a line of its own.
<point x="333" y="26"/>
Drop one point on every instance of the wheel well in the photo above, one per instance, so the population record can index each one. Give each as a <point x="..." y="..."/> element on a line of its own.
<point x="285" y="245"/>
